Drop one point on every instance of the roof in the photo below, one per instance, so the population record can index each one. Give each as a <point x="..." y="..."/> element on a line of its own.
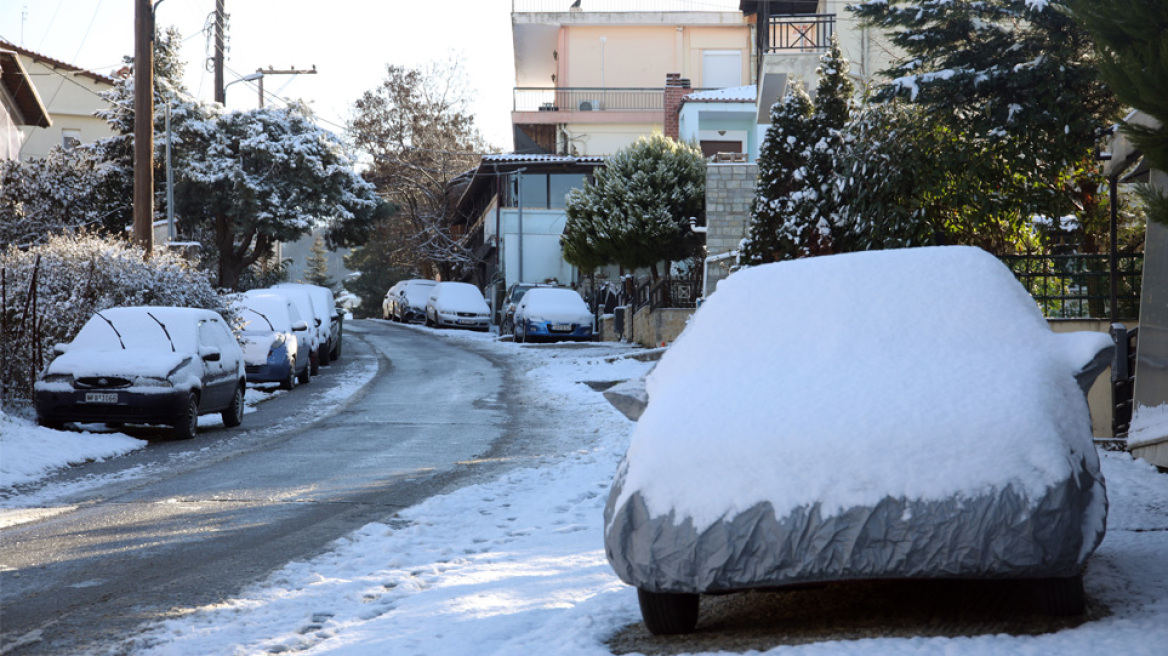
<point x="520" y="158"/>
<point x="745" y="94"/>
<point x="55" y="63"/>
<point x="28" y="101"/>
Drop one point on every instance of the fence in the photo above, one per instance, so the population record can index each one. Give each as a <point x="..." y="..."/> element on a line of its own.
<point x="1079" y="286"/>
<point x="589" y="99"/>
<point x="21" y="350"/>
<point x="800" y="33"/>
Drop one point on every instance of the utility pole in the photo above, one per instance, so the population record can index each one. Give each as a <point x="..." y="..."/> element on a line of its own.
<point x="144" y="125"/>
<point x="272" y="71"/>
<point x="220" y="19"/>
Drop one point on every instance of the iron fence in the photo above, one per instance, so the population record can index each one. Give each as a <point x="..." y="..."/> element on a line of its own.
<point x="1079" y="286"/>
<point x="800" y="33"/>
<point x="589" y="99"/>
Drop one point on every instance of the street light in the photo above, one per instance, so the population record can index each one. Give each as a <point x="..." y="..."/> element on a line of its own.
<point x="250" y="77"/>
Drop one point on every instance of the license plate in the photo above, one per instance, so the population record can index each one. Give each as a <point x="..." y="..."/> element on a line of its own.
<point x="562" y="327"/>
<point x="467" y="322"/>
<point x="101" y="397"/>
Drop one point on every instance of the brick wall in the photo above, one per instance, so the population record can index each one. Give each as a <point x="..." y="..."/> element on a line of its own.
<point x="729" y="195"/>
<point x="676" y="88"/>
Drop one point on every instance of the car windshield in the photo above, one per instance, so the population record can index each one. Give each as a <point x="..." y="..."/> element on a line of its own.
<point x="107" y="331"/>
<point x="265" y="314"/>
<point x="418" y="292"/>
<point x="462" y="294"/>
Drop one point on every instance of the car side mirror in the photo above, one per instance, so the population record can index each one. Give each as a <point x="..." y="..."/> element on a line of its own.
<point x="60" y="348"/>
<point x="317" y="321"/>
<point x="210" y="354"/>
<point x="300" y="326"/>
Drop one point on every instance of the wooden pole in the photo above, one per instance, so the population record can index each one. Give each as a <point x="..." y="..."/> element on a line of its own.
<point x="144" y="125"/>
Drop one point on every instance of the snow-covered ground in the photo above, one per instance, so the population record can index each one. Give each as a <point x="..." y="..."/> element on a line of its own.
<point x="516" y="565"/>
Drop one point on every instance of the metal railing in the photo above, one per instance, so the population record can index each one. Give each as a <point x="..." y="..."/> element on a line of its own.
<point x="667" y="293"/>
<point x="1079" y="286"/>
<point x="556" y="6"/>
<point x="800" y="33"/>
<point x="589" y="99"/>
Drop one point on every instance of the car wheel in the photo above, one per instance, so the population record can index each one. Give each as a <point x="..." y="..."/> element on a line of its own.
<point x="323" y="355"/>
<point x="289" y="382"/>
<point x="187" y="423"/>
<point x="429" y="324"/>
<point x="305" y="376"/>
<point x="233" y="415"/>
<point x="1062" y="597"/>
<point x="314" y="363"/>
<point x="668" y="613"/>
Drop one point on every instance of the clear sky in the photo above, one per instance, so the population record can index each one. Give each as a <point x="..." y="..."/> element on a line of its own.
<point x="349" y="41"/>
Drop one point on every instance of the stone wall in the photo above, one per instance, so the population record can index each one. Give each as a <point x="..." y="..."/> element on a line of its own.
<point x="659" y="327"/>
<point x="729" y="195"/>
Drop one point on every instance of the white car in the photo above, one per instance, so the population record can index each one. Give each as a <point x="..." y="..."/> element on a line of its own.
<point x="303" y="302"/>
<point x="324" y="308"/>
<point x="148" y="365"/>
<point x="552" y="314"/>
<point x="457" y="305"/>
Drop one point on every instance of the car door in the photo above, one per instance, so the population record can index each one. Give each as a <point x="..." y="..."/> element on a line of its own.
<point x="218" y="372"/>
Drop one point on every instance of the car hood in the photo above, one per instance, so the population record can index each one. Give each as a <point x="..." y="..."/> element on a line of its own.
<point x="255" y="347"/>
<point x="558" y="315"/>
<point x="126" y="363"/>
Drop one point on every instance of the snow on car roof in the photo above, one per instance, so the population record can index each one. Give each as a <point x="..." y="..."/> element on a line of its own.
<point x="845" y="379"/>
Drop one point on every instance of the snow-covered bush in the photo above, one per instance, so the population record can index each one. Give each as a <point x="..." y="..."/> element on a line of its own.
<point x="75" y="276"/>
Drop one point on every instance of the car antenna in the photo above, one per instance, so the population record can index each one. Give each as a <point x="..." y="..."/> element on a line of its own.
<point x="172" y="348"/>
<point x="111" y="324"/>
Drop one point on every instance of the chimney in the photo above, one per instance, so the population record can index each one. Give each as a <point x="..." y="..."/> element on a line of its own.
<point x="676" y="88"/>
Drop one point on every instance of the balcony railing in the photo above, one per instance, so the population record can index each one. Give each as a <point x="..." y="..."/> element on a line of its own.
<point x="553" y="6"/>
<point x="588" y="99"/>
<point x="800" y="33"/>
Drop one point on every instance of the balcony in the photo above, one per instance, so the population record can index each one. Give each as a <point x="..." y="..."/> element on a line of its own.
<point x="588" y="99"/>
<point x="798" y="33"/>
<point x="789" y="47"/>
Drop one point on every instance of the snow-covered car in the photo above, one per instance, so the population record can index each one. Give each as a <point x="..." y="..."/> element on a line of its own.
<point x="901" y="414"/>
<point x="457" y="305"/>
<point x="304" y="305"/>
<point x="406" y="300"/>
<point x="511" y="301"/>
<point x="324" y="308"/>
<point x="552" y="314"/>
<point x="274" y="339"/>
<point x="145" y="365"/>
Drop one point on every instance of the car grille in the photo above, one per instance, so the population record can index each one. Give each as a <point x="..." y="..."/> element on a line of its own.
<point x="252" y="368"/>
<point x="467" y="314"/>
<point x="101" y="382"/>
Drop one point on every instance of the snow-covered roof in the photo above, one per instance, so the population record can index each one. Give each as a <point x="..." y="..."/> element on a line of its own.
<point x="55" y="63"/>
<point x="746" y="93"/>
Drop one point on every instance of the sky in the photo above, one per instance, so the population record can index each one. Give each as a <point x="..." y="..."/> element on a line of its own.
<point x="350" y="42"/>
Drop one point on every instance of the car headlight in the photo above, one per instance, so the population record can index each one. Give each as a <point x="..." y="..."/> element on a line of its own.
<point x="151" y="381"/>
<point x="59" y="378"/>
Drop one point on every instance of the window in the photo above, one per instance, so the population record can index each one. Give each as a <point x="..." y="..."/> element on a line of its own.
<point x="542" y="190"/>
<point x="721" y="68"/>
<point x="70" y="139"/>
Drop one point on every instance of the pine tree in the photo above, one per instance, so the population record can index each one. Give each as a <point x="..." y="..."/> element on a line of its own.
<point x="316" y="272"/>
<point x="1018" y="73"/>
<point x="782" y="154"/>
<point x="636" y="214"/>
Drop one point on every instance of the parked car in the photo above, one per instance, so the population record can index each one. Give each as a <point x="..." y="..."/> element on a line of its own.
<point x="316" y="329"/>
<point x="406" y="301"/>
<point x="324" y="307"/>
<point x="511" y="301"/>
<point x="150" y="365"/>
<point x="457" y="305"/>
<point x="902" y="414"/>
<point x="274" y="339"/>
<point x="552" y="314"/>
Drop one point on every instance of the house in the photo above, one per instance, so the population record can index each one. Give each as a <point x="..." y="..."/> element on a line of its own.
<point x="721" y="121"/>
<point x="72" y="96"/>
<point x="20" y="105"/>
<point x="589" y="82"/>
<point x="511" y="216"/>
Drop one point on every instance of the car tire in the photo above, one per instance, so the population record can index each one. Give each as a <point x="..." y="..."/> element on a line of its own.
<point x="1061" y="596"/>
<point x="187" y="423"/>
<point x="304" y="377"/>
<point x="233" y="414"/>
<point x="667" y="613"/>
<point x="323" y="355"/>
<point x="289" y="382"/>
<point x="314" y="363"/>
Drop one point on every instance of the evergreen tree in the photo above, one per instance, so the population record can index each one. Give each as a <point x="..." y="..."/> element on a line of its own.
<point x="783" y="153"/>
<point x="316" y="272"/>
<point x="1018" y="73"/>
<point x="636" y="214"/>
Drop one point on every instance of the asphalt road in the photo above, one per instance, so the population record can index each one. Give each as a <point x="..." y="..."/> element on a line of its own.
<point x="182" y="524"/>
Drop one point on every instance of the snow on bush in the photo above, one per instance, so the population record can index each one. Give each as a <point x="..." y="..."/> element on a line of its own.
<point x="76" y="276"/>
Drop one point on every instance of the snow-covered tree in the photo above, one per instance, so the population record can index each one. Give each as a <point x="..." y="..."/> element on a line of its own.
<point x="43" y="196"/>
<point x="636" y="214"/>
<point x="1019" y="73"/>
<point x="258" y="177"/>
<point x="316" y="271"/>
<point x="418" y="132"/>
<point x="793" y="212"/>
<point x="76" y="275"/>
